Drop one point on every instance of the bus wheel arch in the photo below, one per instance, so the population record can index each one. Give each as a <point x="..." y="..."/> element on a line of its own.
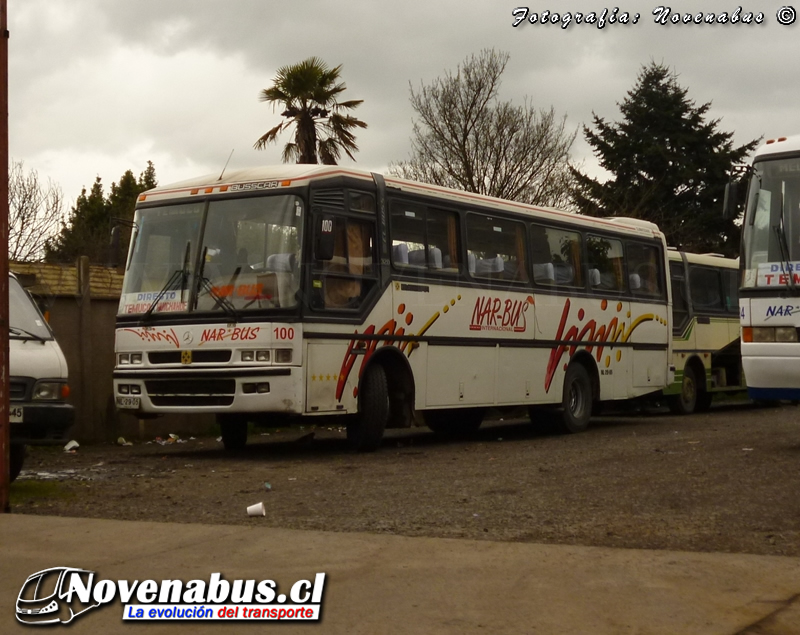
<point x="689" y="398"/>
<point x="378" y="405"/>
<point x="233" y="428"/>
<point x="581" y="391"/>
<point x="401" y="387"/>
<point x="693" y="395"/>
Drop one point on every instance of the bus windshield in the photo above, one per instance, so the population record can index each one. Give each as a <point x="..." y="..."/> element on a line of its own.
<point x="771" y="245"/>
<point x="236" y="255"/>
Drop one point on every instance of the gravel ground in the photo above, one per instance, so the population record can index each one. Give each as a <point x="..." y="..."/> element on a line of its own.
<point x="726" y="480"/>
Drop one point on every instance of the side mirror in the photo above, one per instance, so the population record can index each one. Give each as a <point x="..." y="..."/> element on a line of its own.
<point x="729" y="202"/>
<point x="324" y="238"/>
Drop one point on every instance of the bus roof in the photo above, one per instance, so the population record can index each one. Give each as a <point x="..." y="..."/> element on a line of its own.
<point x="710" y="260"/>
<point x="275" y="177"/>
<point x="779" y="146"/>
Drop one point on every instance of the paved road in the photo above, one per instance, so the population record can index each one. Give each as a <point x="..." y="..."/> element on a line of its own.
<point x="395" y="584"/>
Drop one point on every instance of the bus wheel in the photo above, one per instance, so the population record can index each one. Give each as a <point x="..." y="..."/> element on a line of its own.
<point x="686" y="402"/>
<point x="234" y="430"/>
<point x="576" y="400"/>
<point x="459" y="422"/>
<point x="365" y="431"/>
<point x="17" y="453"/>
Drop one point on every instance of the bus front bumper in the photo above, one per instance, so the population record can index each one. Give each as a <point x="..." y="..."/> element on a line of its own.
<point x="276" y="389"/>
<point x="772" y="377"/>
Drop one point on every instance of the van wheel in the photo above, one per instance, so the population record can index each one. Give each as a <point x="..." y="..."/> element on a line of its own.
<point x="686" y="402"/>
<point x="365" y="431"/>
<point x="17" y="454"/>
<point x="234" y="430"/>
<point x="456" y="422"/>
<point x="576" y="400"/>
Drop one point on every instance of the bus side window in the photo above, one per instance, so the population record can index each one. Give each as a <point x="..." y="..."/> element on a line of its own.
<point x="605" y="263"/>
<point x="408" y="236"/>
<point x="704" y="283"/>
<point x="556" y="256"/>
<point x="347" y="277"/>
<point x="643" y="269"/>
<point x="730" y="285"/>
<point x="443" y="240"/>
<point x="424" y="239"/>
<point x="496" y="248"/>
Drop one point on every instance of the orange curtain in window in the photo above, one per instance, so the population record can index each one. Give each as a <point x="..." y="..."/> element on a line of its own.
<point x="452" y="239"/>
<point x="575" y="255"/>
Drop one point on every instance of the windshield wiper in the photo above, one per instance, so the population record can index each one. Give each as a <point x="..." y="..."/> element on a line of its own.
<point x="219" y="300"/>
<point x="28" y="335"/>
<point x="179" y="274"/>
<point x="783" y="245"/>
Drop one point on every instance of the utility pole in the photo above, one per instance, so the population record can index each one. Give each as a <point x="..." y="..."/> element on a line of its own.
<point x="5" y="369"/>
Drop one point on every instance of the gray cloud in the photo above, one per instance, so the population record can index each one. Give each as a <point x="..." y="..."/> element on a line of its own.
<point x="102" y="85"/>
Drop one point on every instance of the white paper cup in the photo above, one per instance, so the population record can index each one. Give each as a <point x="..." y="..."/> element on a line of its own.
<point x="257" y="510"/>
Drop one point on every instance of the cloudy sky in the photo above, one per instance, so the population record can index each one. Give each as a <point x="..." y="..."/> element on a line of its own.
<point x="101" y="86"/>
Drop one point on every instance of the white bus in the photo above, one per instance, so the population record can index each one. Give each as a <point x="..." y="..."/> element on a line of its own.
<point x="769" y="297"/>
<point x="318" y="290"/>
<point x="705" y="330"/>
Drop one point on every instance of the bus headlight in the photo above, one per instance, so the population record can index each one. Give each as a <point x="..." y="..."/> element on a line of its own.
<point x="126" y="359"/>
<point x="763" y="334"/>
<point x="283" y="356"/>
<point x="769" y="334"/>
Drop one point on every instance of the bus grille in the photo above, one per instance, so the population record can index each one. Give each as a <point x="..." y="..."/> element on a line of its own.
<point x="328" y="197"/>
<point x="191" y="392"/>
<point x="198" y="357"/>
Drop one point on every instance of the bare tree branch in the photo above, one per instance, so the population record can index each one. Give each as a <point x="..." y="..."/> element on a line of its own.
<point x="35" y="213"/>
<point x="465" y="138"/>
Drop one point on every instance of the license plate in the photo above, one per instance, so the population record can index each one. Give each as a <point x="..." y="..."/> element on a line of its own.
<point x="15" y="414"/>
<point x="128" y="402"/>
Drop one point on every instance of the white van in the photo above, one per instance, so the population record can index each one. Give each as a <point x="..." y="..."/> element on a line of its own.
<point x="38" y="411"/>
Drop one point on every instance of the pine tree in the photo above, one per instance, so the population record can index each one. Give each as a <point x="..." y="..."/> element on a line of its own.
<point x="668" y="165"/>
<point x="88" y="230"/>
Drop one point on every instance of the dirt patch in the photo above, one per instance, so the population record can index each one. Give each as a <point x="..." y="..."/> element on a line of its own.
<point x="726" y="480"/>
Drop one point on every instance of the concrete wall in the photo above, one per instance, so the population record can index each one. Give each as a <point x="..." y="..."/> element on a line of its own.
<point x="86" y="335"/>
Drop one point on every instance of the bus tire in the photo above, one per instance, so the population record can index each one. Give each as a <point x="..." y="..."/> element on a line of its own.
<point x="454" y="423"/>
<point x="365" y="431"/>
<point x="17" y="458"/>
<point x="234" y="431"/>
<point x="577" y="400"/>
<point x="685" y="402"/>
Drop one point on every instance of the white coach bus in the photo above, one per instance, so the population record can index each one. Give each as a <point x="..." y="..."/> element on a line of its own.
<point x="769" y="297"/>
<point x="705" y="328"/>
<point x="318" y="290"/>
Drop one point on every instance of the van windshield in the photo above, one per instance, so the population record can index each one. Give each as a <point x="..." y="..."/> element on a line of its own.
<point x="25" y="320"/>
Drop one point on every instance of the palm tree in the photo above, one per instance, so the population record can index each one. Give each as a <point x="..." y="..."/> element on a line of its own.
<point x="307" y="91"/>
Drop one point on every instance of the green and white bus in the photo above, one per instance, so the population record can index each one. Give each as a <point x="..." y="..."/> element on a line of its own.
<point x="706" y="348"/>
